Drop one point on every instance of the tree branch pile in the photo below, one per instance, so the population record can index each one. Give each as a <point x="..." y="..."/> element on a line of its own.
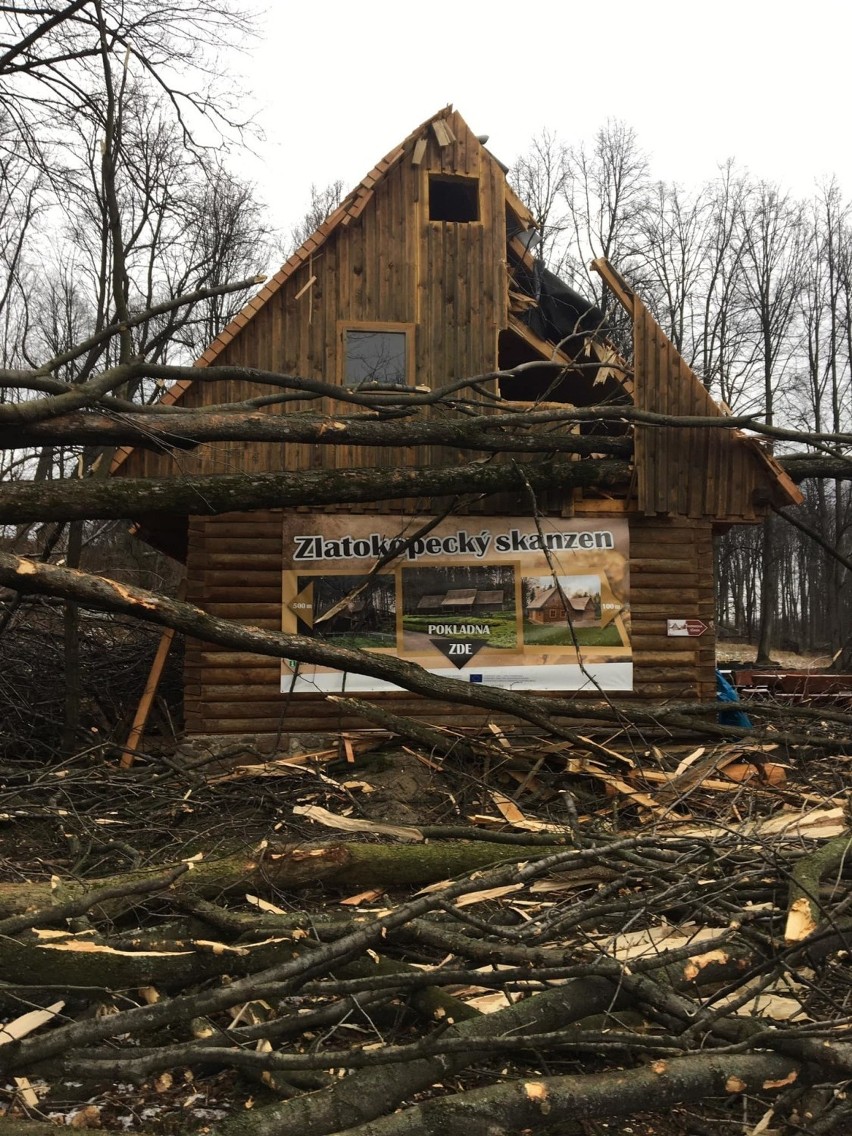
<point x="115" y="658"/>
<point x="567" y="961"/>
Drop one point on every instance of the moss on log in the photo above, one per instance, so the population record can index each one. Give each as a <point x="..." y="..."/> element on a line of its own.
<point x="275" y="869"/>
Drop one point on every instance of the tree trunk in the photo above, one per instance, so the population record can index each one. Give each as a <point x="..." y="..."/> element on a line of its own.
<point x="71" y="630"/>
<point x="334" y="863"/>
<point x="533" y="1104"/>
<point x="768" y="595"/>
<point x="518" y="433"/>
<point x="129" y="497"/>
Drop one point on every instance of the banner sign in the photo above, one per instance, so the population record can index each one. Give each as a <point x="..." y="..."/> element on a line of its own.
<point x="498" y="600"/>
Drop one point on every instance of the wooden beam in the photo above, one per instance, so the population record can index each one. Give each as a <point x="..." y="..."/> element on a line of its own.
<point x="547" y="350"/>
<point x="523" y="253"/>
<point x="518" y="208"/>
<point x="787" y="488"/>
<point x="615" y="282"/>
<point x="305" y="287"/>
<point x="143" y="710"/>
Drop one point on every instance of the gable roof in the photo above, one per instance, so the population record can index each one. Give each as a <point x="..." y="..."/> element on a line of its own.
<point x="456" y="596"/>
<point x="543" y="598"/>
<point x="350" y="208"/>
<point x="720" y="474"/>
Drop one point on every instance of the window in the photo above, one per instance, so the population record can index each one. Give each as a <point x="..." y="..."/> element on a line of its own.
<point x="453" y="198"/>
<point x="375" y="358"/>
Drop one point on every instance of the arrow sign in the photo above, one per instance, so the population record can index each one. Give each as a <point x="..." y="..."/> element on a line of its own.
<point x="691" y="628"/>
<point x="302" y="605"/>
<point x="459" y="652"/>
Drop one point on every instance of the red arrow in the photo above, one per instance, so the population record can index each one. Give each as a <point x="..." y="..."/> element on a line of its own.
<point x="695" y="628"/>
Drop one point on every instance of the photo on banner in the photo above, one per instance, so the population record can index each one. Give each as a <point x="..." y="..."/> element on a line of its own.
<point x="506" y="601"/>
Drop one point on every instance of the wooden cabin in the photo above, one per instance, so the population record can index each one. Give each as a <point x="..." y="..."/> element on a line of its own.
<point x="421" y="277"/>
<point x="552" y="606"/>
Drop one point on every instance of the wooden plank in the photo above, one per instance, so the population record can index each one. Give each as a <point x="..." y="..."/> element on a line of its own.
<point x="235" y="676"/>
<point x="246" y="692"/>
<point x="616" y="283"/>
<point x="443" y="134"/>
<point x="652" y="606"/>
<point x="419" y="151"/>
<point x="262" y="545"/>
<point x="678" y="548"/>
<point x="210" y="656"/>
<point x="668" y="658"/>
<point x="306" y="286"/>
<point x="516" y="205"/>
<point x="657" y="640"/>
<point x="225" y="592"/>
<point x="230" y="561"/>
<point x="671" y="567"/>
<point x="232" y="707"/>
<point x="143" y="710"/>
<point x="245" y="524"/>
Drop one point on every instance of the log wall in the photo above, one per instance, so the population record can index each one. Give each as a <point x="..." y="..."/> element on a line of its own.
<point x="234" y="570"/>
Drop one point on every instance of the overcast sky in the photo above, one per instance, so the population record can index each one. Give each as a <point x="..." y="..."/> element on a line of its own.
<point x="338" y="84"/>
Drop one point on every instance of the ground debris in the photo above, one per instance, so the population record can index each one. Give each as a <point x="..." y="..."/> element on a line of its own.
<point x="624" y="910"/>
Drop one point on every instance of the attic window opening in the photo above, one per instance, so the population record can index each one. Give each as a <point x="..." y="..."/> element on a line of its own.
<point x="453" y="198"/>
<point x="375" y="358"/>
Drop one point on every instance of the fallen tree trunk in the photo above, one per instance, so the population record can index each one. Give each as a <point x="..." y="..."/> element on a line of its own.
<point x="97" y="592"/>
<point x="499" y="433"/>
<point x="116" y="498"/>
<point x="274" y="869"/>
<point x="567" y="960"/>
<point x="806" y="909"/>
<point x="369" y="1093"/>
<point x="530" y="1104"/>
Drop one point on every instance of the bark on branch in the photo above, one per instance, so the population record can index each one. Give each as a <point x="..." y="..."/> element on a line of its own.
<point x="521" y="433"/>
<point x="129" y="497"/>
<point x="335" y="863"/>
<point x="530" y="1104"/>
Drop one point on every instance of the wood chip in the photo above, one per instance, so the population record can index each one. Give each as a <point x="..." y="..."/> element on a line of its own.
<point x="351" y="824"/>
<point x="362" y="897"/>
<point x="473" y="897"/>
<point x="26" y="1092"/>
<point x="265" y="905"/>
<point x="689" y="760"/>
<point x="507" y="808"/>
<point x="26" y="1023"/>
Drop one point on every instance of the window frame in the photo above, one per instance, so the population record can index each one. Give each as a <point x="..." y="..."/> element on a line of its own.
<point x="407" y="329"/>
<point x="469" y="180"/>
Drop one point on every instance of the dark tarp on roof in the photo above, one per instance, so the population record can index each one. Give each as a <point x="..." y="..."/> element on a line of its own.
<point x="561" y="311"/>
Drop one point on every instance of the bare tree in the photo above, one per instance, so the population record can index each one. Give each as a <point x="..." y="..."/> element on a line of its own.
<point x="322" y="204"/>
<point x="674" y="247"/>
<point x="540" y="178"/>
<point x="771" y="282"/>
<point x="606" y="192"/>
<point x="101" y="104"/>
